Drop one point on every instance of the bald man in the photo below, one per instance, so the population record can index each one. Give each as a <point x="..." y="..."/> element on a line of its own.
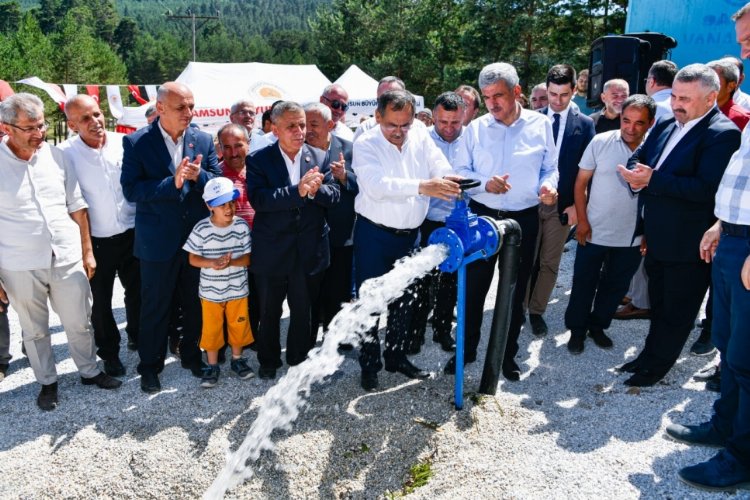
<point x="165" y="167"/>
<point x="95" y="156"/>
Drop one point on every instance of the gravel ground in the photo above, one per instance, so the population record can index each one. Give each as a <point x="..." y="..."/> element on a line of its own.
<point x="568" y="429"/>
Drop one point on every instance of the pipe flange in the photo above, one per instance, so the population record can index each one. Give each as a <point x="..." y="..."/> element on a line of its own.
<point x="449" y="238"/>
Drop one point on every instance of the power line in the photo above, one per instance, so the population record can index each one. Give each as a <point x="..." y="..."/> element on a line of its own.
<point x="191" y="18"/>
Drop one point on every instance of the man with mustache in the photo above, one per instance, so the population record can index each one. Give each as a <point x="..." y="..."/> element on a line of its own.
<point x="677" y="172"/>
<point x="512" y="152"/>
<point x="95" y="156"/>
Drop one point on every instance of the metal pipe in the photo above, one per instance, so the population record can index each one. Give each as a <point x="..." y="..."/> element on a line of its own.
<point x="510" y="254"/>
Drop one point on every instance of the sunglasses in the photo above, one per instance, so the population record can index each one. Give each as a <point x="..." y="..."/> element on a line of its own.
<point x="336" y="104"/>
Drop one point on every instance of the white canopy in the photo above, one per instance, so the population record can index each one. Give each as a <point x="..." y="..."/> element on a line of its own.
<point x="362" y="90"/>
<point x="216" y="86"/>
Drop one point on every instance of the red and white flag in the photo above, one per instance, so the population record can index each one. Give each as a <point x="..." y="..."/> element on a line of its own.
<point x="115" y="101"/>
<point x="54" y="91"/>
<point x="93" y="91"/>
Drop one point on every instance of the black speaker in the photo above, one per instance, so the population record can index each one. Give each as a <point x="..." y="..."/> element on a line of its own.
<point x="628" y="57"/>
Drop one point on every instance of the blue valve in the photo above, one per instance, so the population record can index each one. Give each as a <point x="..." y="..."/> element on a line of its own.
<point x="468" y="238"/>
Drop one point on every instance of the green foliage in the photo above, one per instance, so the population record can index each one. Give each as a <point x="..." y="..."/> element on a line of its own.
<point x="436" y="45"/>
<point x="10" y="17"/>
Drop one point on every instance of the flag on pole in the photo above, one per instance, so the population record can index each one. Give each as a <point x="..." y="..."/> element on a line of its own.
<point x="52" y="90"/>
<point x="115" y="101"/>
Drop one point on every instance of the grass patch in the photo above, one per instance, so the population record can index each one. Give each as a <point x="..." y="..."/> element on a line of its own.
<point x="419" y="475"/>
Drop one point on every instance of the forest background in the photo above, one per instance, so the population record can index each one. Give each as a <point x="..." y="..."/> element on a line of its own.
<point x="433" y="45"/>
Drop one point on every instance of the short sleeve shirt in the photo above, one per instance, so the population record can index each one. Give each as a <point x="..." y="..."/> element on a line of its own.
<point x="210" y="241"/>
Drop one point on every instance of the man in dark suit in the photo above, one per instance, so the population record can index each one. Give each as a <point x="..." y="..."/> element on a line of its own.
<point x="677" y="171"/>
<point x="290" y="195"/>
<point x="165" y="166"/>
<point x="336" y="288"/>
<point x="572" y="131"/>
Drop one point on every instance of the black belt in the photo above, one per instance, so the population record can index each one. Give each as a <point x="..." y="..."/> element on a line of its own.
<point x="735" y="230"/>
<point x="127" y="233"/>
<point x="392" y="230"/>
<point x="505" y="214"/>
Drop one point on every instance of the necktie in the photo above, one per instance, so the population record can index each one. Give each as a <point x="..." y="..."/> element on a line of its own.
<point x="555" y="126"/>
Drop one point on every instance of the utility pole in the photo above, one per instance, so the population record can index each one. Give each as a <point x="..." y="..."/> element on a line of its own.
<point x="191" y="18"/>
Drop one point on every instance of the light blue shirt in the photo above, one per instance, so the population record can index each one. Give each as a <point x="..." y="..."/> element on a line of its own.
<point x="525" y="150"/>
<point x="439" y="209"/>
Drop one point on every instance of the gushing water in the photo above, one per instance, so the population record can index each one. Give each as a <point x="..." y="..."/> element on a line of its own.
<point x="282" y="402"/>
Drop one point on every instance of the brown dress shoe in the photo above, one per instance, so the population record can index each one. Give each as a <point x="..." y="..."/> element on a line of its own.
<point x="629" y="311"/>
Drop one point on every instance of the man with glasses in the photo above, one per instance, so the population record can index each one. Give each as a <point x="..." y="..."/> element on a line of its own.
<point x="337" y="99"/>
<point x="398" y="169"/>
<point x="45" y="252"/>
<point x="243" y="113"/>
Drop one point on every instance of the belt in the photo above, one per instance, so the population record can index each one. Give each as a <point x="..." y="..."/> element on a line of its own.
<point x="119" y="236"/>
<point x="505" y="214"/>
<point x="392" y="230"/>
<point x="735" y="230"/>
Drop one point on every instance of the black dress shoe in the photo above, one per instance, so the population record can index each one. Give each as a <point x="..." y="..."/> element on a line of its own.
<point x="47" y="398"/>
<point x="369" y="381"/>
<point x="644" y="378"/>
<point x="538" y="325"/>
<point x="150" y="383"/>
<point x="265" y="373"/>
<point x="405" y="367"/>
<point x="630" y="366"/>
<point x="446" y="341"/>
<point x="600" y="338"/>
<point x="703" y="434"/>
<point x="511" y="371"/>
<point x="576" y="343"/>
<point x="102" y="381"/>
<point x="114" y="367"/>
<point x="196" y="368"/>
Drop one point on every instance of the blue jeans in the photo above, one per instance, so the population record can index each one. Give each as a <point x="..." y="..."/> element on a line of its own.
<point x="601" y="276"/>
<point x="731" y="335"/>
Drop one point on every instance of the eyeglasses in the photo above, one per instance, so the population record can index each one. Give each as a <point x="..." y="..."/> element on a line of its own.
<point x="247" y="112"/>
<point x="390" y="127"/>
<point x="30" y="130"/>
<point x="336" y="104"/>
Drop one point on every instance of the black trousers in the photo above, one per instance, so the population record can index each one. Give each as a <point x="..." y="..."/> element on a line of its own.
<point x="479" y="278"/>
<point x="676" y="291"/>
<point x="336" y="288"/>
<point x="436" y="292"/>
<point x="299" y="289"/>
<point x="159" y="282"/>
<point x="114" y="257"/>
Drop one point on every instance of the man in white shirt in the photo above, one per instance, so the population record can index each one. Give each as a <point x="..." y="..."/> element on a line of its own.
<point x="45" y="251"/>
<point x="512" y="152"/>
<point x="398" y="170"/>
<point x="659" y="86"/>
<point x="335" y="98"/>
<point x="95" y="156"/>
<point x="243" y="113"/>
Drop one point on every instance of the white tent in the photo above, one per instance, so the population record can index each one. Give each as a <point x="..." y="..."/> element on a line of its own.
<point x="362" y="90"/>
<point x="216" y="86"/>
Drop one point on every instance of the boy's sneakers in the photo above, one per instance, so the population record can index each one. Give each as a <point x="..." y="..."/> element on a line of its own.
<point x="241" y="368"/>
<point x="210" y="376"/>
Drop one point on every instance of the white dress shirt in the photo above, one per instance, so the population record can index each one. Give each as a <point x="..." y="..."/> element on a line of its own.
<point x="36" y="199"/>
<point x="175" y="148"/>
<point x="440" y="209"/>
<point x="563" y="120"/>
<point x="293" y="166"/>
<point x="98" y="172"/>
<point x="258" y="142"/>
<point x="741" y="98"/>
<point x="372" y="122"/>
<point x="525" y="150"/>
<point x="676" y="137"/>
<point x="389" y="179"/>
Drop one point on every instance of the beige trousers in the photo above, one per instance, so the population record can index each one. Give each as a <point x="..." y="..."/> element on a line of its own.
<point x="550" y="243"/>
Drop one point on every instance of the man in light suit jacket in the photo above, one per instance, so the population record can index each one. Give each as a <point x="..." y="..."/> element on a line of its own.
<point x="572" y="131"/>
<point x="165" y="167"/>
<point x="290" y="195"/>
<point x="677" y="171"/>
<point x="336" y="288"/>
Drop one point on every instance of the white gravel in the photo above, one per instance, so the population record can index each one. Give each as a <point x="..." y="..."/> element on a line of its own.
<point x="568" y="429"/>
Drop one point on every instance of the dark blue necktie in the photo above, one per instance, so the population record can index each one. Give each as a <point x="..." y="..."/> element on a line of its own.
<point x="556" y="126"/>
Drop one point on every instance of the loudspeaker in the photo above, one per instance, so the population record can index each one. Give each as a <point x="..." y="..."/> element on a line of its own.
<point x="628" y="57"/>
